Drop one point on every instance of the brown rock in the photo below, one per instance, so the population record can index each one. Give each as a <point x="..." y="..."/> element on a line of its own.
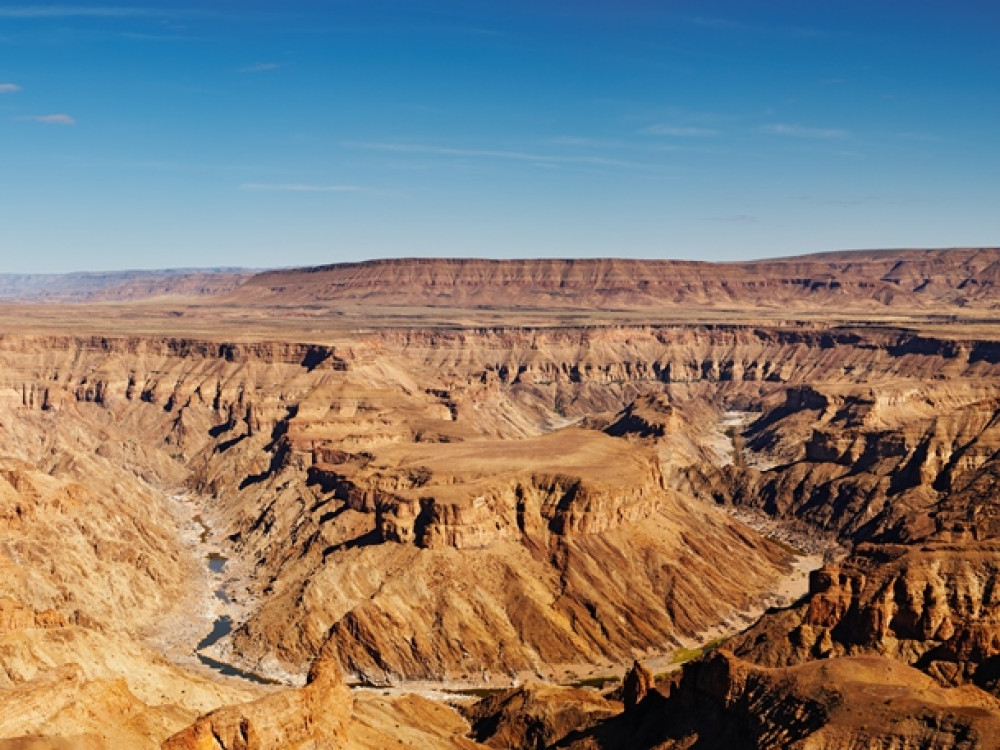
<point x="637" y="683"/>
<point x="536" y="716"/>
<point x="311" y="717"/>
<point x="721" y="702"/>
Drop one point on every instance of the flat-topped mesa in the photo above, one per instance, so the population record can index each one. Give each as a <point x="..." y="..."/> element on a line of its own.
<point x="862" y="280"/>
<point x="532" y="507"/>
<point x="472" y="505"/>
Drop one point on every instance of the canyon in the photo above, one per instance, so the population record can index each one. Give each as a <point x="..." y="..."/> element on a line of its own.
<point x="462" y="503"/>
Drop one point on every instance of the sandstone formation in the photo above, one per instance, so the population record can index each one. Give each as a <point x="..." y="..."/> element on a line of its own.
<point x="311" y="717"/>
<point x="918" y="279"/>
<point x="932" y="606"/>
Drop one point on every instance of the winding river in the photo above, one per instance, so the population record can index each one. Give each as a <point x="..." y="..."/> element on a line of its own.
<point x="222" y="624"/>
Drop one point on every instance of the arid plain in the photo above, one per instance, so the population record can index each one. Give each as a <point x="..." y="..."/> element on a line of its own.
<point x="449" y="503"/>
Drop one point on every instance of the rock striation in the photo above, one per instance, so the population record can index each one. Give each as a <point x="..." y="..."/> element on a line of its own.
<point x="537" y="715"/>
<point x="916" y="279"/>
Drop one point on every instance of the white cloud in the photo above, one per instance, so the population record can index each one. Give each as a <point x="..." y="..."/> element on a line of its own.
<point x="67" y="11"/>
<point x="798" y="131"/>
<point x="299" y="188"/>
<point x="9" y="88"/>
<point x="137" y="37"/>
<point x="59" y="119"/>
<point x="261" y="67"/>
<point x="679" y="132"/>
<point x="411" y="148"/>
<point x="573" y="140"/>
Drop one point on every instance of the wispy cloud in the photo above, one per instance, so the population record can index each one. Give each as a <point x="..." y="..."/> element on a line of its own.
<point x="579" y="141"/>
<point x="261" y="67"/>
<point x="58" y="119"/>
<point x="412" y="148"/>
<point x="70" y="11"/>
<point x="286" y="187"/>
<point x="852" y="202"/>
<point x="460" y="30"/>
<point x="713" y="22"/>
<point x="9" y="88"/>
<point x="741" y="27"/>
<point x="798" y="131"/>
<point x="679" y="131"/>
<point x="139" y="37"/>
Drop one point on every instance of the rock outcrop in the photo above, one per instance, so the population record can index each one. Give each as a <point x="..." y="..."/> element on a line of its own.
<point x="636" y="685"/>
<point x="310" y="717"/>
<point x="537" y="716"/>
<point x="932" y="606"/>
<point x="722" y="702"/>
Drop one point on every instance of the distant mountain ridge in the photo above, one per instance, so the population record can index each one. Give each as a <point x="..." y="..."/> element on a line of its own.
<point x="928" y="281"/>
<point x="120" y="285"/>
<point x="867" y="279"/>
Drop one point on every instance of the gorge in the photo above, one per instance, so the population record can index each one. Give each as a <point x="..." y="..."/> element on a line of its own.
<point x="510" y="480"/>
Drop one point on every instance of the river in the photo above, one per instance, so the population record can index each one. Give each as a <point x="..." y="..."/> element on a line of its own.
<point x="195" y="630"/>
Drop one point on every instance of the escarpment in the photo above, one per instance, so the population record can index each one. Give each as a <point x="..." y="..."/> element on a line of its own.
<point x="517" y="531"/>
<point x="901" y="462"/>
<point x="867" y="280"/>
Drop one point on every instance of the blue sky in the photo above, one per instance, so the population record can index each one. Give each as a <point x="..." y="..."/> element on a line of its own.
<point x="264" y="134"/>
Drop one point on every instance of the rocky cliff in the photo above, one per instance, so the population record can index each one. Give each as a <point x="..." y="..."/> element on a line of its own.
<point x="919" y="279"/>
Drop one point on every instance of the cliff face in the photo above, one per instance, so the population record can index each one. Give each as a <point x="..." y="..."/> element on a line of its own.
<point x="866" y="280"/>
<point x="898" y="462"/>
<point x="932" y="606"/>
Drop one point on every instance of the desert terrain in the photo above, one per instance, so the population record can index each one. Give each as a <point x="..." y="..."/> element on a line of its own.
<point x="510" y="504"/>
